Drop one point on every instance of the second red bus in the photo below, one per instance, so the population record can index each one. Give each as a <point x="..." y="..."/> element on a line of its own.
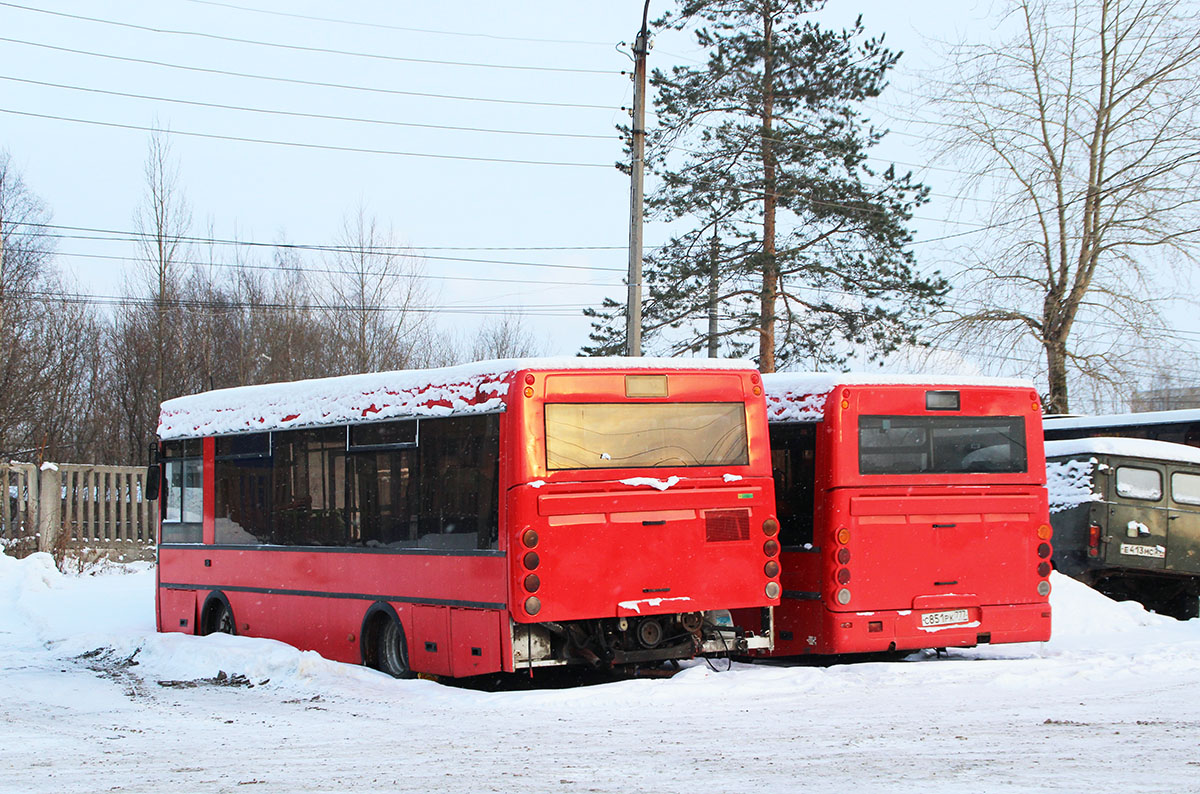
<point x="913" y="513"/>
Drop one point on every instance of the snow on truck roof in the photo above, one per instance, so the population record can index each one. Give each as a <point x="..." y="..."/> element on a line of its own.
<point x="800" y="396"/>
<point x="1128" y="447"/>
<point x="479" y="387"/>
<point x="1115" y="420"/>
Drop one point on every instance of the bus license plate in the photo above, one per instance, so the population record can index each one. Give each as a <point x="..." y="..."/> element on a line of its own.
<point x="944" y="618"/>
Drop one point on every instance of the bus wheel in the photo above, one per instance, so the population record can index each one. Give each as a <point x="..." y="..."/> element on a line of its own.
<point x="218" y="617"/>
<point x="391" y="650"/>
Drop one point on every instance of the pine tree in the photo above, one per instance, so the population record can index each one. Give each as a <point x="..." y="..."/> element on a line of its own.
<point x="795" y="248"/>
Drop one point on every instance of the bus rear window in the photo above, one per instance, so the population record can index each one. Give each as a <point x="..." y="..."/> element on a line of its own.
<point x="941" y="444"/>
<point x="645" y="435"/>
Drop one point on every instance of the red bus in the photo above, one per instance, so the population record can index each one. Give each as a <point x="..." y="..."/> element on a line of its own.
<point x="499" y="516"/>
<point x="913" y="513"/>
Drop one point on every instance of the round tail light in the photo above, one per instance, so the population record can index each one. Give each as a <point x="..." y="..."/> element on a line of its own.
<point x="772" y="589"/>
<point x="1043" y="550"/>
<point x="843" y="535"/>
<point x="533" y="605"/>
<point x="531" y="560"/>
<point x="532" y="582"/>
<point x="771" y="548"/>
<point x="530" y="538"/>
<point x="1044" y="532"/>
<point x="843" y="556"/>
<point x="771" y="569"/>
<point x="843" y="576"/>
<point x="770" y="527"/>
<point x="1043" y="588"/>
<point x="843" y="596"/>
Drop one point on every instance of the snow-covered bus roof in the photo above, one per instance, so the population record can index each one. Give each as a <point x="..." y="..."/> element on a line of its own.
<point x="474" y="388"/>
<point x="1127" y="447"/>
<point x="800" y="396"/>
<point x="1117" y="420"/>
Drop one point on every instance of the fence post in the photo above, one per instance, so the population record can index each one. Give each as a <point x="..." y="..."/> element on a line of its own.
<point x="49" y="507"/>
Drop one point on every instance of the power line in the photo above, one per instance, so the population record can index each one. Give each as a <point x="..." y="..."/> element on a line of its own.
<point x="298" y="81"/>
<point x="131" y="236"/>
<point x="303" y="48"/>
<point x="302" y="145"/>
<point x="80" y="298"/>
<point x="340" y="272"/>
<point x="298" y="114"/>
<point x="382" y="26"/>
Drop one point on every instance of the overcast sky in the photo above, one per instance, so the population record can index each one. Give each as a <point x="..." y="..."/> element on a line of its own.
<point x="78" y="96"/>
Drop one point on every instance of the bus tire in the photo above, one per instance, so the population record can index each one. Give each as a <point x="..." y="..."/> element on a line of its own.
<point x="384" y="644"/>
<point x="217" y="616"/>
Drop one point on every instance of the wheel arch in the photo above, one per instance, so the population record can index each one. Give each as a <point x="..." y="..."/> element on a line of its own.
<point x="376" y="615"/>
<point x="214" y="598"/>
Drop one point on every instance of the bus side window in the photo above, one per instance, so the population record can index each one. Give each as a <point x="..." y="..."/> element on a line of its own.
<point x="793" y="455"/>
<point x="308" y="507"/>
<point x="182" y="495"/>
<point x="458" y="489"/>
<point x="243" y="489"/>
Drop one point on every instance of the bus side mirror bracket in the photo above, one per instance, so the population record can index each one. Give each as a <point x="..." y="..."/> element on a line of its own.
<point x="153" y="474"/>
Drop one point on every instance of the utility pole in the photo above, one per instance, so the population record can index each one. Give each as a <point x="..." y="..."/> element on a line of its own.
<point x="633" y="311"/>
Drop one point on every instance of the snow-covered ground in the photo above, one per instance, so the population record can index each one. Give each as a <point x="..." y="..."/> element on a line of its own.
<point x="93" y="700"/>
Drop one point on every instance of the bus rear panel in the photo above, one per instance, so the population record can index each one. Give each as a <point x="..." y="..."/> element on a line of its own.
<point x="912" y="516"/>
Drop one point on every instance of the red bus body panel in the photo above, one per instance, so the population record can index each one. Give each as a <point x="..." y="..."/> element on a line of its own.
<point x="917" y="543"/>
<point x="608" y="548"/>
<point x="605" y="548"/>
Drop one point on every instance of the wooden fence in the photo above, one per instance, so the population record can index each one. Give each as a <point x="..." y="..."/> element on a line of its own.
<point x="56" y="507"/>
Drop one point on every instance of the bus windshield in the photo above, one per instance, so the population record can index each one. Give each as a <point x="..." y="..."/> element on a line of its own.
<point x="941" y="444"/>
<point x="645" y="435"/>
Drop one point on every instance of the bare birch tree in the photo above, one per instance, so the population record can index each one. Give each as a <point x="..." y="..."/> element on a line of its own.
<point x="162" y="223"/>
<point x="374" y="298"/>
<point x="505" y="336"/>
<point x="1082" y="131"/>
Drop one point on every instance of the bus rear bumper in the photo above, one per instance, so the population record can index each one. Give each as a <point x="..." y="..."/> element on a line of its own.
<point x="808" y="628"/>
<point x="903" y="630"/>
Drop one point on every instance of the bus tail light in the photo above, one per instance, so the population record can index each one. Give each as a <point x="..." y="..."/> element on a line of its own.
<point x="770" y="527"/>
<point x="531" y="560"/>
<point x="533" y="605"/>
<point x="1043" y="550"/>
<point x="1094" y="540"/>
<point x="843" y="556"/>
<point x="1044" y="532"/>
<point x="1043" y="569"/>
<point x="772" y="590"/>
<point x="532" y="582"/>
<point x="843" y="596"/>
<point x="843" y="535"/>
<point x="771" y="548"/>
<point x="1043" y="588"/>
<point x="771" y="569"/>
<point x="843" y="576"/>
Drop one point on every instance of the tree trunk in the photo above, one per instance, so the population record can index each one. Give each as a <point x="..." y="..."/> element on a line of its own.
<point x="770" y="267"/>
<point x="1056" y="371"/>
<point x="714" y="271"/>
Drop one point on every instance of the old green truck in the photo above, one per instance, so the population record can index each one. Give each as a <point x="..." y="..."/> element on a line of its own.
<point x="1126" y="519"/>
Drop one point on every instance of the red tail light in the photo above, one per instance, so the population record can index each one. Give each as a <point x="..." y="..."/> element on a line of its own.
<point x="1094" y="540"/>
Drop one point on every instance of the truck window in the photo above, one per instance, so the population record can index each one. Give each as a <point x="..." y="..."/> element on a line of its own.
<point x="1137" y="483"/>
<point x="1185" y="488"/>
